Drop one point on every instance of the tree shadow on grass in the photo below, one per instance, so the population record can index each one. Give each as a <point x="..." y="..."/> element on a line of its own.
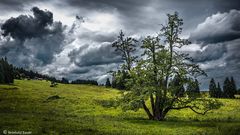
<point x="178" y="122"/>
<point x="172" y="123"/>
<point x="223" y="127"/>
<point x="9" y="88"/>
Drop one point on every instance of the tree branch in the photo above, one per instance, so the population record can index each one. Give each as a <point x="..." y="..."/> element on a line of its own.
<point x="150" y="116"/>
<point x="190" y="107"/>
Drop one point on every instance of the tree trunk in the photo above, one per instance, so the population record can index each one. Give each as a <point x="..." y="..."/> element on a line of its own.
<point x="158" y="113"/>
<point x="160" y="116"/>
<point x="150" y="116"/>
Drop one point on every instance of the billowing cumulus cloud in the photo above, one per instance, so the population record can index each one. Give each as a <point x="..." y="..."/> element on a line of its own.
<point x="218" y="37"/>
<point x="218" y="28"/>
<point x="31" y="40"/>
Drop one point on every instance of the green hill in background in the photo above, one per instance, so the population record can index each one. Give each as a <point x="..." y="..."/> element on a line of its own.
<point x="33" y="106"/>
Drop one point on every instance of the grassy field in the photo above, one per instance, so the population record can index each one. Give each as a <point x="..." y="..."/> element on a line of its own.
<point x="33" y="106"/>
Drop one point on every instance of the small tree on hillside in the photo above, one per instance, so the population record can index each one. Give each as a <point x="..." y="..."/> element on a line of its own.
<point x="149" y="77"/>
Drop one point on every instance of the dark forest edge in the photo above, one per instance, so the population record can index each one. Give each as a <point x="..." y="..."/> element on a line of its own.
<point x="8" y="73"/>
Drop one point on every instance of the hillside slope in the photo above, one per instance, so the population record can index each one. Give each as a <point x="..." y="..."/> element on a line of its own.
<point x="31" y="105"/>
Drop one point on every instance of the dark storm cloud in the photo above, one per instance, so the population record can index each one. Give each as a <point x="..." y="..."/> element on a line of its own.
<point x="35" y="38"/>
<point x="25" y="26"/>
<point x="219" y="27"/>
<point x="102" y="55"/>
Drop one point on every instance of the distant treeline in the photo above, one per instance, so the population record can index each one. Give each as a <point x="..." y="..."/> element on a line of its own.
<point x="8" y="73"/>
<point x="228" y="91"/>
<point x="21" y="73"/>
<point x="79" y="81"/>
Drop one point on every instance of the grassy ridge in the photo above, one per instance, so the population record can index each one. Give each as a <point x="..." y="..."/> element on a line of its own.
<point x="25" y="106"/>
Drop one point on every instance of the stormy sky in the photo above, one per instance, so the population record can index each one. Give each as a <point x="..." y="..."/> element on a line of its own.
<point x="72" y="38"/>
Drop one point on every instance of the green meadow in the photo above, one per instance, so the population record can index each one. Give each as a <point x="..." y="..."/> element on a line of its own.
<point x="32" y="105"/>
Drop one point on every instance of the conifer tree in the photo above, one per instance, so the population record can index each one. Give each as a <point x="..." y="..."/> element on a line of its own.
<point x="219" y="91"/>
<point x="212" y="88"/>
<point x="228" y="89"/>
<point x="6" y="72"/>
<point x="233" y="85"/>
<point x="1" y="73"/>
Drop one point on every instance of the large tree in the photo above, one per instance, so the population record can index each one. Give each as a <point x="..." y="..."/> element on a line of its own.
<point x="150" y="75"/>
